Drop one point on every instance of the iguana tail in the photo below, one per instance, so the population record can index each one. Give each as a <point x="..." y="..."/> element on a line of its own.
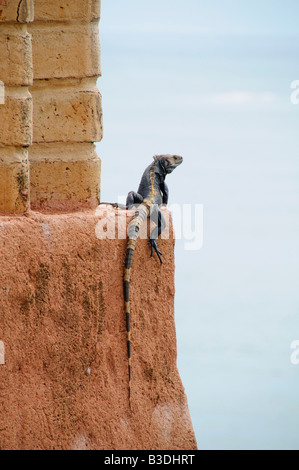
<point x="133" y="231"/>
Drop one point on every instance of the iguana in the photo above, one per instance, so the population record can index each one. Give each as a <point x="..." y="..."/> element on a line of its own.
<point x="151" y="194"/>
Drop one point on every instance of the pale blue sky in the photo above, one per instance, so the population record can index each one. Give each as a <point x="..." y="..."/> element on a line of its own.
<point x="234" y="16"/>
<point x="210" y="80"/>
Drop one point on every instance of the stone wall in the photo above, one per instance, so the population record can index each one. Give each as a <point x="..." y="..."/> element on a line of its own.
<point x="52" y="114"/>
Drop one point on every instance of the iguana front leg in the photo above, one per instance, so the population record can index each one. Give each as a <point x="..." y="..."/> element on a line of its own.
<point x="154" y="246"/>
<point x="158" y="218"/>
<point x="165" y="192"/>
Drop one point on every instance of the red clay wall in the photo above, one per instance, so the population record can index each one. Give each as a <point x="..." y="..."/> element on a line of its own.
<point x="63" y="384"/>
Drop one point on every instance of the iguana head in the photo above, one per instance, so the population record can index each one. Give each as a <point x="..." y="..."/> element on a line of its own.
<point x="168" y="162"/>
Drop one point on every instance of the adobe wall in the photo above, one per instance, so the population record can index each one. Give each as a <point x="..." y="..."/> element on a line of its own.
<point x="64" y="383"/>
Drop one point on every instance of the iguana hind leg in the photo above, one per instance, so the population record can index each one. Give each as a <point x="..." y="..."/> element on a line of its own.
<point x="133" y="199"/>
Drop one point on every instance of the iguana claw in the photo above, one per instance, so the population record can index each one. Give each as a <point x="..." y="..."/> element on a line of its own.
<point x="154" y="246"/>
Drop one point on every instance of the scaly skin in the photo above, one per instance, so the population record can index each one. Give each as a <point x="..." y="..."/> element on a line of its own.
<point x="152" y="192"/>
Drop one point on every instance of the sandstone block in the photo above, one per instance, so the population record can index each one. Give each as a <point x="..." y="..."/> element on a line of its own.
<point x="66" y="51"/>
<point x="14" y="187"/>
<point x="62" y="10"/>
<point x="16" y="118"/>
<point x="63" y="152"/>
<point x="13" y="154"/>
<point x="16" y="58"/>
<point x="59" y="186"/>
<point x="16" y="11"/>
<point x="70" y="113"/>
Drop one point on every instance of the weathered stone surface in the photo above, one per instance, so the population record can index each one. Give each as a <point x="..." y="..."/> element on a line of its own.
<point x="68" y="152"/>
<point x="65" y="51"/>
<point x="13" y="154"/>
<point x="16" y="58"/>
<point x="62" y="10"/>
<point x="16" y="118"/>
<point x="14" y="186"/>
<point x="64" y="381"/>
<point x="64" y="177"/>
<point x="60" y="62"/>
<point x="15" y="105"/>
<point x="16" y="11"/>
<point x="59" y="186"/>
<point x="66" y="112"/>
